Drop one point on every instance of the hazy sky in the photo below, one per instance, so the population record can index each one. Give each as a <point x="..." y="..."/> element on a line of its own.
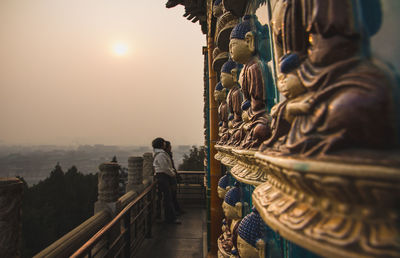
<point x="63" y="82"/>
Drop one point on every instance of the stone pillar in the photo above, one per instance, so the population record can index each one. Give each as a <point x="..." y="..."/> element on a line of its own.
<point x="135" y="175"/>
<point x="107" y="187"/>
<point x="148" y="171"/>
<point x="10" y="216"/>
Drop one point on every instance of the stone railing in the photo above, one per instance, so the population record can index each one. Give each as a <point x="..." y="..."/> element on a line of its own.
<point x="334" y="209"/>
<point x="108" y="205"/>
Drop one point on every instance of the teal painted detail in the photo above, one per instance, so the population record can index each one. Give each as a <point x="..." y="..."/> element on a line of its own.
<point x="301" y="166"/>
<point x="278" y="247"/>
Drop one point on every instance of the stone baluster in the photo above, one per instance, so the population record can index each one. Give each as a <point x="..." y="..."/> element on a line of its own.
<point x="107" y="187"/>
<point x="148" y="171"/>
<point x="10" y="216"/>
<point x="135" y="174"/>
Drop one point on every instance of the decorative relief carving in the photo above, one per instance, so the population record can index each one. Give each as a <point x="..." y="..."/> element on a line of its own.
<point x="330" y="213"/>
<point x="349" y="98"/>
<point x="253" y="78"/>
<point x="220" y="98"/>
<point x="108" y="182"/>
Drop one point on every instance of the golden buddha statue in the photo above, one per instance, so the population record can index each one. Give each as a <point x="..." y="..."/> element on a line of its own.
<point x="234" y="100"/>
<point x="220" y="97"/>
<point x="242" y="48"/>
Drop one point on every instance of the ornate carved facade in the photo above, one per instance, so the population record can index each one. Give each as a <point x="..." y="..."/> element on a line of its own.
<point x="317" y="110"/>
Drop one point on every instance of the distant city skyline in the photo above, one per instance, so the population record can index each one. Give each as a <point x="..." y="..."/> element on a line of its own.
<point x="99" y="72"/>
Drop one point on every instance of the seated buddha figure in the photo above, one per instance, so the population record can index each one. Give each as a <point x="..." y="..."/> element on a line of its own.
<point x="242" y="48"/>
<point x="220" y="97"/>
<point x="283" y="113"/>
<point x="223" y="186"/>
<point x="350" y="102"/>
<point x="250" y="241"/>
<point x="234" y="100"/>
<point x="232" y="207"/>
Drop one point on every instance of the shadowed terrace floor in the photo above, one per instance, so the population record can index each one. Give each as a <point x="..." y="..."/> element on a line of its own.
<point x="178" y="241"/>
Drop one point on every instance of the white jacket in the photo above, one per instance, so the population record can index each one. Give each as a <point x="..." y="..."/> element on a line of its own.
<point x="162" y="163"/>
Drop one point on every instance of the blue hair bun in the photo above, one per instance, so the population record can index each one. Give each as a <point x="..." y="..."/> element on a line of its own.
<point x="289" y="62"/>
<point x="240" y="30"/>
<point x="223" y="182"/>
<point x="228" y="66"/>
<point x="217" y="2"/>
<point x="250" y="228"/>
<point x="246" y="104"/>
<point x="232" y="196"/>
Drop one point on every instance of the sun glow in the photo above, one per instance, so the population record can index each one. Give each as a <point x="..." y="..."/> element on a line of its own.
<point x="120" y="49"/>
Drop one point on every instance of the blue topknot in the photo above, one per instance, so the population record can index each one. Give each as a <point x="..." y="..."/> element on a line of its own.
<point x="217" y="2"/>
<point x="289" y="62"/>
<point x="240" y="30"/>
<point x="250" y="228"/>
<point x="233" y="196"/>
<point x="228" y="66"/>
<point x="219" y="87"/>
<point x="223" y="182"/>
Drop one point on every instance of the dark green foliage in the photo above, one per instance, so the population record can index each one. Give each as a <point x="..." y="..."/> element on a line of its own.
<point x="55" y="206"/>
<point x="194" y="161"/>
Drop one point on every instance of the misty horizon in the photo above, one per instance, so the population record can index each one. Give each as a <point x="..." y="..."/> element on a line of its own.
<point x="99" y="72"/>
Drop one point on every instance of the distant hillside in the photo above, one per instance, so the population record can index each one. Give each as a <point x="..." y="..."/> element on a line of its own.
<point x="34" y="162"/>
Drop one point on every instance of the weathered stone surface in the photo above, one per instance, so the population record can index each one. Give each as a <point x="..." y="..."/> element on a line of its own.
<point x="108" y="182"/>
<point x="148" y="167"/>
<point x="135" y="174"/>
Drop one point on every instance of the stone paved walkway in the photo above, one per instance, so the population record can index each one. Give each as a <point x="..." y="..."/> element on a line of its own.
<point x="177" y="241"/>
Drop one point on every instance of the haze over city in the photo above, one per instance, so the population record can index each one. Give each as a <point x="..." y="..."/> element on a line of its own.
<point x="99" y="72"/>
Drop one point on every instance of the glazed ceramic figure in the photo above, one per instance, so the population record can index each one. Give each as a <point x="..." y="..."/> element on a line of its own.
<point x="250" y="241"/>
<point x="242" y="48"/>
<point x="350" y="103"/>
<point x="283" y="113"/>
<point x="232" y="207"/>
<point x="218" y="9"/>
<point x="220" y="97"/>
<point x="223" y="186"/>
<point x="234" y="100"/>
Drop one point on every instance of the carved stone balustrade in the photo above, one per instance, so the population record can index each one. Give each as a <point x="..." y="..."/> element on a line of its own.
<point x="332" y="208"/>
<point x="107" y="187"/>
<point x="135" y="174"/>
<point x="148" y="171"/>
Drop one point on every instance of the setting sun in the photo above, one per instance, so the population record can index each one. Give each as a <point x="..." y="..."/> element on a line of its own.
<point x="120" y="49"/>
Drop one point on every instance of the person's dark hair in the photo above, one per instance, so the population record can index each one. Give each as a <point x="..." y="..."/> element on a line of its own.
<point x="158" y="143"/>
<point x="167" y="144"/>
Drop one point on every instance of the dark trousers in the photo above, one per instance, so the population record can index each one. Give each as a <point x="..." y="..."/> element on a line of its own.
<point x="174" y="192"/>
<point x="164" y="187"/>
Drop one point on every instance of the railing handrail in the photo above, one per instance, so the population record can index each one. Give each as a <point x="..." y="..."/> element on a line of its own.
<point x="196" y="172"/>
<point x="97" y="237"/>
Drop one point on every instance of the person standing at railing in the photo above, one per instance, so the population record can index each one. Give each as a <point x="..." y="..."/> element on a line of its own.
<point x="174" y="180"/>
<point x="164" y="173"/>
